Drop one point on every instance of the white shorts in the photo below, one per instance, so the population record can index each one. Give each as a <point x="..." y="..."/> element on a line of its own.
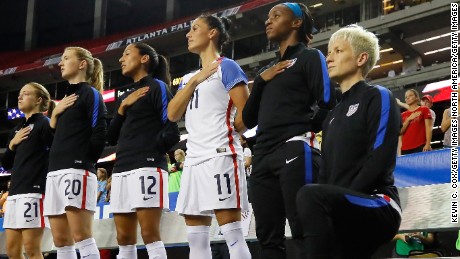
<point x="139" y="188"/>
<point x="217" y="183"/>
<point x="25" y="211"/>
<point x="70" y="187"/>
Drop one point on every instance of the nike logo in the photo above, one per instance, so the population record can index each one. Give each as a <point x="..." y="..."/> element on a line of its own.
<point x="71" y="198"/>
<point x="290" y="160"/>
<point x="234" y="243"/>
<point x="29" y="220"/>
<point x="223" y="199"/>
<point x="331" y="121"/>
<point x="147" y="198"/>
<point x="86" y="256"/>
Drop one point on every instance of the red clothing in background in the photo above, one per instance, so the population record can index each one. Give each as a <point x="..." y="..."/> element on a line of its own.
<point x="415" y="135"/>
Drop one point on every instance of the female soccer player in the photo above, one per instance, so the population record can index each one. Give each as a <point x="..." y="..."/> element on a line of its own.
<point x="142" y="131"/>
<point x="355" y="208"/>
<point x="27" y="159"/>
<point x="213" y="180"/>
<point x="71" y="184"/>
<point x="286" y="154"/>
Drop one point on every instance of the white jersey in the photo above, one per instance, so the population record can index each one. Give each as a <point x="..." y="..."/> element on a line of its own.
<point x="210" y="115"/>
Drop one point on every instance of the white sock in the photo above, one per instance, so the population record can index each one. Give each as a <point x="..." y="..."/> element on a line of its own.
<point x="233" y="233"/>
<point x="88" y="249"/>
<point x="198" y="241"/>
<point x="127" y="252"/>
<point x="66" y="252"/>
<point x="156" y="250"/>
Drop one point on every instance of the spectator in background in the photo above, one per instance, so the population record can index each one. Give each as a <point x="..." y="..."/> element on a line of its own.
<point x="108" y="187"/>
<point x="408" y="242"/>
<point x="175" y="172"/>
<point x="417" y="125"/>
<point x="101" y="185"/>
<point x="446" y="128"/>
<point x="427" y="101"/>
<point x="247" y="156"/>
<point x="3" y="199"/>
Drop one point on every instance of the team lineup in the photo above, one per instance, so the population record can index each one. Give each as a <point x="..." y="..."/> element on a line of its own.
<point x="344" y="186"/>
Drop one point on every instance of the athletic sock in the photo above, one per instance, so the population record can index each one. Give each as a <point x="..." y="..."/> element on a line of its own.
<point x="156" y="250"/>
<point x="127" y="252"/>
<point x="198" y="240"/>
<point x="66" y="252"/>
<point x="233" y="233"/>
<point x="88" y="249"/>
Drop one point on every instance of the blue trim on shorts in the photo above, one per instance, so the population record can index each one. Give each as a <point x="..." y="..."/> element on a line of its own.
<point x="365" y="202"/>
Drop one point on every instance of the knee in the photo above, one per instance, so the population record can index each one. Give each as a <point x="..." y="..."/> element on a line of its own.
<point x="309" y="198"/>
<point x="13" y="252"/>
<point x="309" y="193"/>
<point x="126" y="238"/>
<point x="150" y="235"/>
<point x="62" y="240"/>
<point x="32" y="250"/>
<point x="82" y="234"/>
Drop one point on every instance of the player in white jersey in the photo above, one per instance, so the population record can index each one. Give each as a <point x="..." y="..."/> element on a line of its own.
<point x="213" y="180"/>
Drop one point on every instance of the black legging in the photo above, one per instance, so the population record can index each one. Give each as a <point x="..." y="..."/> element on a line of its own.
<point x="340" y="223"/>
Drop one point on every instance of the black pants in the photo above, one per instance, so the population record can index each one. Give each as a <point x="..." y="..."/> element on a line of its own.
<point x="275" y="180"/>
<point x="340" y="223"/>
<point x="412" y="151"/>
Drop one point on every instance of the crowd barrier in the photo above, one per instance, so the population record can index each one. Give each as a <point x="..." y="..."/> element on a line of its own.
<point x="423" y="181"/>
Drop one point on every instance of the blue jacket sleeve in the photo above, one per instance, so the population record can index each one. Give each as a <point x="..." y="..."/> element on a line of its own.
<point x="382" y="122"/>
<point x="99" y="126"/>
<point x="169" y="134"/>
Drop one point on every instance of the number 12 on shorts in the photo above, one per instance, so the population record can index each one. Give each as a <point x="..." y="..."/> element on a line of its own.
<point x="150" y="187"/>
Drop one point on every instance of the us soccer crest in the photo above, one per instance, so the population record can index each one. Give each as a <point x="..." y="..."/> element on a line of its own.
<point x="352" y="109"/>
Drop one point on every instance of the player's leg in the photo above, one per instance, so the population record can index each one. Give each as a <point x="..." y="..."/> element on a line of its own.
<point x="80" y="212"/>
<point x="268" y="206"/>
<point x="81" y="223"/>
<point x="198" y="236"/>
<point x="14" y="243"/>
<point x="333" y="218"/>
<point x="149" y="219"/>
<point x="32" y="242"/>
<point x="62" y="237"/>
<point x="124" y="216"/>
<point x="300" y="167"/>
<point x="126" y="226"/>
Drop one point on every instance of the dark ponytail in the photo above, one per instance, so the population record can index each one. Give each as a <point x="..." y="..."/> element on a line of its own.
<point x="222" y="25"/>
<point x="162" y="70"/>
<point x="158" y="66"/>
<point x="305" y="31"/>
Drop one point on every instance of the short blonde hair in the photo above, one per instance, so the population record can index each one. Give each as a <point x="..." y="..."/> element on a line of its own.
<point x="361" y="41"/>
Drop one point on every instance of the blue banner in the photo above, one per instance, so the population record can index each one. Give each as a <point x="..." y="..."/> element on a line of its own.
<point x="423" y="168"/>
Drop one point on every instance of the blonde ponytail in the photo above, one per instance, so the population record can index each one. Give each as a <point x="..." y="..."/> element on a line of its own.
<point x="94" y="70"/>
<point x="97" y="77"/>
